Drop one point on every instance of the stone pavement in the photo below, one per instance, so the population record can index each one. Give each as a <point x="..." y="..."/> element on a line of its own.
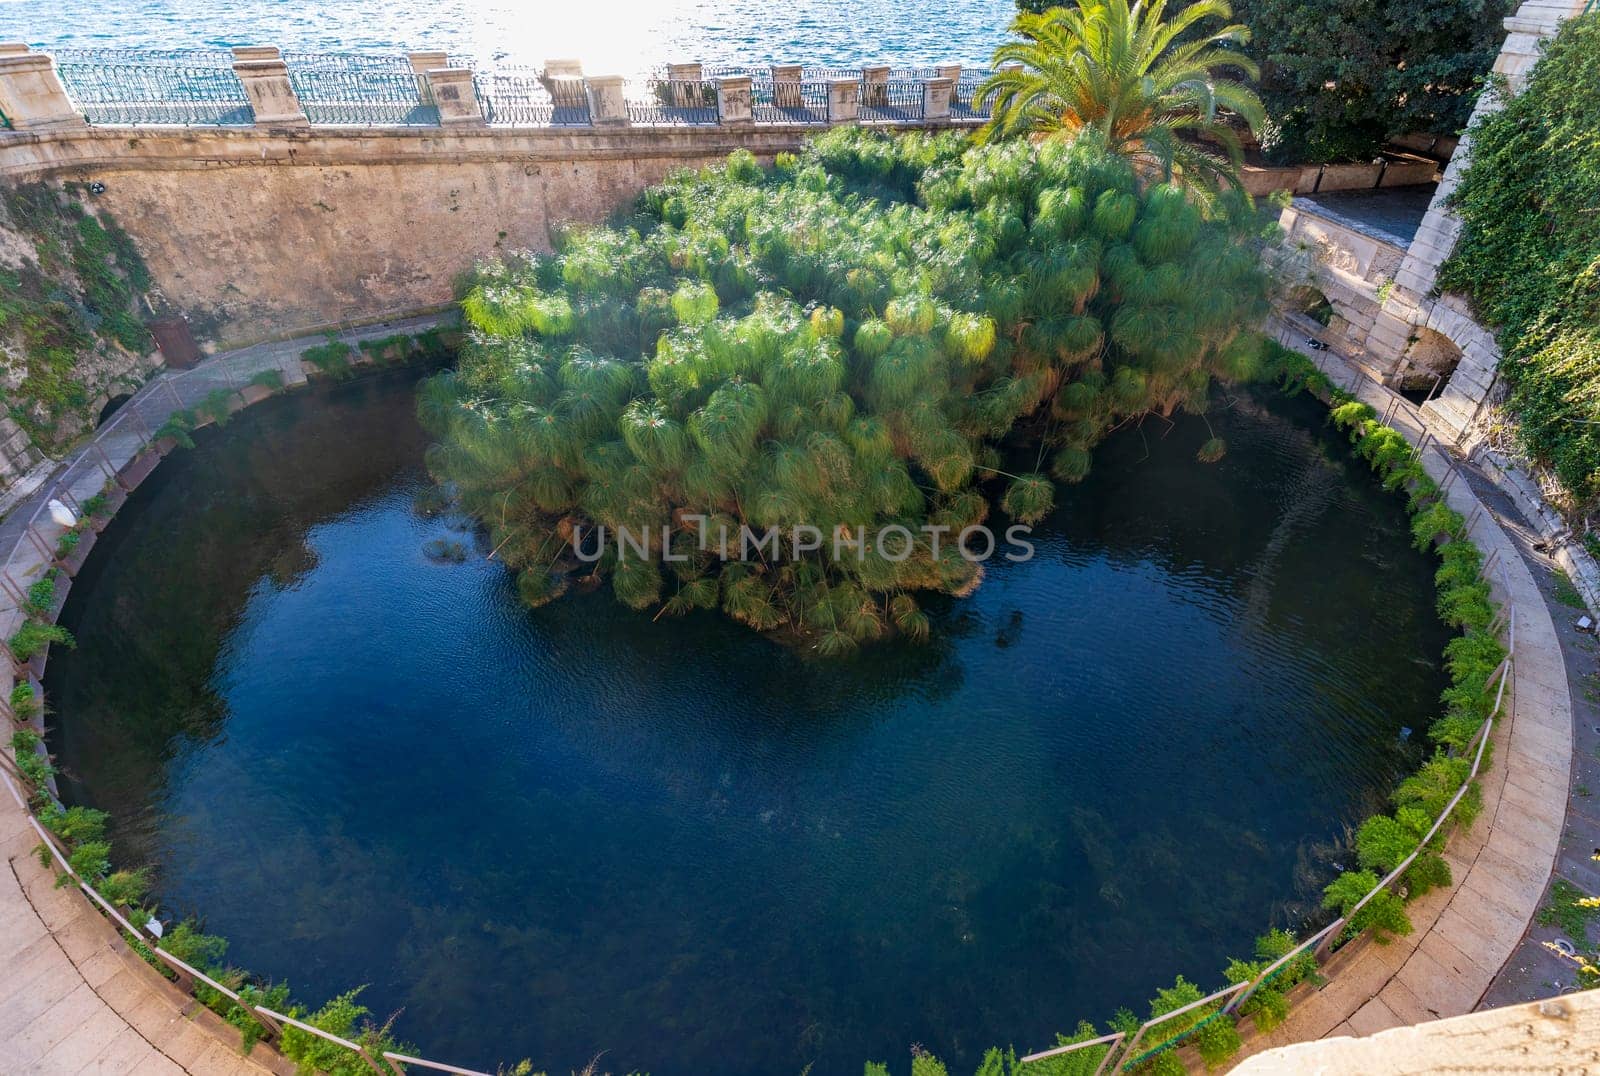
<point x="73" y="997"/>
<point x="1500" y="866"/>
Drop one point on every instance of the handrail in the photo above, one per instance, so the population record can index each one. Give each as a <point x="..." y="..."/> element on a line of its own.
<point x="399" y="1061"/>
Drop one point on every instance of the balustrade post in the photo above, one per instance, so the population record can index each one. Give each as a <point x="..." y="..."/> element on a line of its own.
<point x="564" y="80"/>
<point x="786" y="79"/>
<point x="31" y="94"/>
<point x="844" y="100"/>
<point x="421" y="64"/>
<point x="456" y="97"/>
<point x="936" y="96"/>
<point x="265" y="78"/>
<point x="685" y="85"/>
<point x="734" y="100"/>
<point x="875" y="86"/>
<point x="607" y="104"/>
<point x="953" y="73"/>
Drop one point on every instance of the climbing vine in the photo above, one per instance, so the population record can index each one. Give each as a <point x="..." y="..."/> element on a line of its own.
<point x="1529" y="253"/>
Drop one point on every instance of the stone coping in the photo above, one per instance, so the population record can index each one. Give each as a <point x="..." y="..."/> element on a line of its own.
<point x="1500" y="866"/>
<point x="27" y="153"/>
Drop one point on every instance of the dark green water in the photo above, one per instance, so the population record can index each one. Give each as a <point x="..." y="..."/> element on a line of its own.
<point x="569" y="831"/>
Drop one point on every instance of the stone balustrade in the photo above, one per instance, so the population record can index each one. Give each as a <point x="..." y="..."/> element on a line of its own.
<point x="262" y="87"/>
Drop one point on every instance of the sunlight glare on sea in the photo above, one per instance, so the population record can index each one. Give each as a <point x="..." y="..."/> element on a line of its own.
<point x="608" y="36"/>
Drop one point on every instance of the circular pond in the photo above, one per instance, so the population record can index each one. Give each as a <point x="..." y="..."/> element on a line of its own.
<point x="569" y="831"/>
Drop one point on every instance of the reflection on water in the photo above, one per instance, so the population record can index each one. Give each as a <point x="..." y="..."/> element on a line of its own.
<point x="609" y="36"/>
<point x="575" y="830"/>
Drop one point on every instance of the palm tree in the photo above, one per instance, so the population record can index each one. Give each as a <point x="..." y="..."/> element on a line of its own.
<point x="1130" y="78"/>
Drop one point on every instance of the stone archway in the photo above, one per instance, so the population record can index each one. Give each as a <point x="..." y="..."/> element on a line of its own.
<point x="111" y="408"/>
<point x="1428" y="363"/>
<point x="1309" y="301"/>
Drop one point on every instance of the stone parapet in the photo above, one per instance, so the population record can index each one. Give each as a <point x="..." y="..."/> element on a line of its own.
<point x="265" y="79"/>
<point x="31" y="95"/>
<point x="453" y="94"/>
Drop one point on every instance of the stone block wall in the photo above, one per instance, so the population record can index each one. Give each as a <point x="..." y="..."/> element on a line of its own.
<point x="1349" y="267"/>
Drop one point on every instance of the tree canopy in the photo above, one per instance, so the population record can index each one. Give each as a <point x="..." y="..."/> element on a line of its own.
<point x="1338" y="77"/>
<point x="842" y="341"/>
<point x="1146" y="84"/>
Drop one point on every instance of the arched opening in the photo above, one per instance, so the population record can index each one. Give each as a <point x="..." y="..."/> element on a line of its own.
<point x="1310" y="302"/>
<point x="111" y="408"/>
<point x="1430" y="360"/>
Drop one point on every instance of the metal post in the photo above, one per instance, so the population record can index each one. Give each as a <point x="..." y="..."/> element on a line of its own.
<point x="1321" y="951"/>
<point x="15" y="592"/>
<point x="39" y="543"/>
<point x="177" y="401"/>
<point x="1438" y="379"/>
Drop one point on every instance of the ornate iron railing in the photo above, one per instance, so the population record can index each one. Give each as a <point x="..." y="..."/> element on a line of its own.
<point x="359" y="92"/>
<point x="805" y="101"/>
<point x="671" y="101"/>
<point x="523" y="97"/>
<point x="200" y="87"/>
<point x="163" y="90"/>
<point x="895" y="101"/>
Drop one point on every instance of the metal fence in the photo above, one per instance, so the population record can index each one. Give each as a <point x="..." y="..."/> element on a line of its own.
<point x="666" y="101"/>
<point x="363" y="91"/>
<point x="198" y="87"/>
<point x="115" y="89"/>
<point x="525" y="97"/>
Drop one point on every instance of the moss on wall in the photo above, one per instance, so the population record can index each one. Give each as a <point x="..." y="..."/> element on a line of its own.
<point x="71" y="283"/>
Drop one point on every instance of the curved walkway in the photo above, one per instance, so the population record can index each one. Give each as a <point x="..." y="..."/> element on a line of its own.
<point x="73" y="997"/>
<point x="1465" y="933"/>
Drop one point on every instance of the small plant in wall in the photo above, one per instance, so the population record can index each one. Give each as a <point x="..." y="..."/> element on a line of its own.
<point x="217" y="406"/>
<point x="178" y="428"/>
<point x="32" y="638"/>
<point x="331" y="358"/>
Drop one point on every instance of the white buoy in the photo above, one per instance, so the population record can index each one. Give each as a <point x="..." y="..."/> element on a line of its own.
<point x="61" y="514"/>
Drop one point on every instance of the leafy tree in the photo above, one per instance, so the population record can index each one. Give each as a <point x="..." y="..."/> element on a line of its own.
<point x="841" y="342"/>
<point x="1529" y="248"/>
<point x="1128" y="74"/>
<point x="1341" y="76"/>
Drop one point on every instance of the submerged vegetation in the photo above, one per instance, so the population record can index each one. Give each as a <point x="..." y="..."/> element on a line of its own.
<point x="843" y="341"/>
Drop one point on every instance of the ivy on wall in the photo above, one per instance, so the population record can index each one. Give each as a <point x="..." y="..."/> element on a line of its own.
<point x="77" y="294"/>
<point x="1529" y="253"/>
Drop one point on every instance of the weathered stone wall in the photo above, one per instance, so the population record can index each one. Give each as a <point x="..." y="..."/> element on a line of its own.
<point x="1351" y="268"/>
<point x="265" y="232"/>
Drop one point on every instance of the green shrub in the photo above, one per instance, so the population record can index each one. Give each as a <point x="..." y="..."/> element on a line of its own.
<point x="331" y="358"/>
<point x="1384" y="915"/>
<point x="179" y="426"/>
<point x="272" y="380"/>
<point x="216" y="406"/>
<point x="41" y="595"/>
<point x="34" y="636"/>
